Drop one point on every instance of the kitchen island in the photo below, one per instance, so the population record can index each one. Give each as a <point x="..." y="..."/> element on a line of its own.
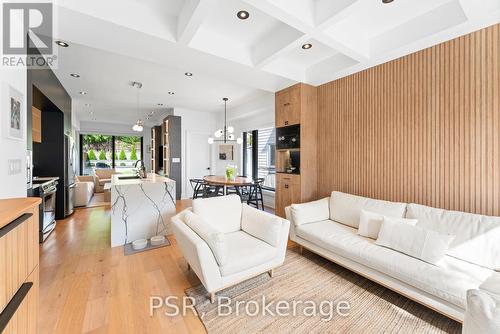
<point x="140" y="208"/>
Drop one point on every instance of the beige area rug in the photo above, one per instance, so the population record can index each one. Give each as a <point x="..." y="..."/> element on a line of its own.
<point x="309" y="277"/>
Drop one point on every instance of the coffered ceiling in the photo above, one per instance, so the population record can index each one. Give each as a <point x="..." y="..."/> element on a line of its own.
<point x="113" y="42"/>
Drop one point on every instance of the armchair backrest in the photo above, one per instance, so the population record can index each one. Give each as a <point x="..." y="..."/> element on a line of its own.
<point x="223" y="212"/>
<point x="104" y="173"/>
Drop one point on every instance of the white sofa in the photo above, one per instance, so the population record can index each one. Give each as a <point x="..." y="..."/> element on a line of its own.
<point x="84" y="190"/>
<point x="472" y="257"/>
<point x="229" y="242"/>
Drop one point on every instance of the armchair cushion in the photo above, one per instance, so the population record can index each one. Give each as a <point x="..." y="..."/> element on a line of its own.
<point x="311" y="212"/>
<point x="214" y="238"/>
<point x="223" y="212"/>
<point x="246" y="252"/>
<point x="261" y="225"/>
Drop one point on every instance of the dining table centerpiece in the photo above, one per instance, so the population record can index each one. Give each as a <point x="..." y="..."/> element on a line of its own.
<point x="231" y="172"/>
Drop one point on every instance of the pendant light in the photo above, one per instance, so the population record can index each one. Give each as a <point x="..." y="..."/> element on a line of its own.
<point x="139" y="125"/>
<point x="226" y="134"/>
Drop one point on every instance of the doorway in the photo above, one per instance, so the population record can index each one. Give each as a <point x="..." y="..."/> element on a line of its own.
<point x="198" y="158"/>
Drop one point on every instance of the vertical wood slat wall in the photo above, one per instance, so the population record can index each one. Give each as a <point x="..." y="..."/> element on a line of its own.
<point x="424" y="128"/>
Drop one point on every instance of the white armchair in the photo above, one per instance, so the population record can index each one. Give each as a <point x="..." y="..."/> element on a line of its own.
<point x="482" y="315"/>
<point x="226" y="242"/>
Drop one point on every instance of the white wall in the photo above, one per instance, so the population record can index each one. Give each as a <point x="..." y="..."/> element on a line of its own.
<point x="10" y="149"/>
<point x="119" y="130"/>
<point x="192" y="121"/>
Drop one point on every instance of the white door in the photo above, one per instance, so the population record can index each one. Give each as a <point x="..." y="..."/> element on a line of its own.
<point x="198" y="158"/>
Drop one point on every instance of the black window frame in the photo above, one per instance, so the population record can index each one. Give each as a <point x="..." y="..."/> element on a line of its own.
<point x="113" y="146"/>
<point x="255" y="156"/>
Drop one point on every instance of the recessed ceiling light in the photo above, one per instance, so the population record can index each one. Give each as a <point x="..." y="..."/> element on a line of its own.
<point x="82" y="93"/>
<point x="171" y="93"/>
<point x="387" y="1"/>
<point x="75" y="75"/>
<point x="243" y="15"/>
<point x="62" y="44"/>
<point x="188" y="74"/>
<point x="307" y="46"/>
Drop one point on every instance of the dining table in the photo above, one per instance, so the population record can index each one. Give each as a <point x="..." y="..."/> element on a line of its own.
<point x="218" y="180"/>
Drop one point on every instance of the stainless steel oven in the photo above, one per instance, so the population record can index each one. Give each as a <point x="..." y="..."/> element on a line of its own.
<point x="47" y="192"/>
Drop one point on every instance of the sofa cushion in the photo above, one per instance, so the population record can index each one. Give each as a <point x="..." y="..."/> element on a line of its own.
<point x="405" y="237"/>
<point x="224" y="212"/>
<point x="482" y="314"/>
<point x="261" y="225"/>
<point x="477" y="237"/>
<point x="311" y="212"/>
<point x="449" y="281"/>
<point x="214" y="238"/>
<point x="246" y="252"/>
<point x="492" y="284"/>
<point x="346" y="208"/>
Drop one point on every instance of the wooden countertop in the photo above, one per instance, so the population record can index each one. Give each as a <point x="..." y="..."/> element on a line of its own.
<point x="12" y="208"/>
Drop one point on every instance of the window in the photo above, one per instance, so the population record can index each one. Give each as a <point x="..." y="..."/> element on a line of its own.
<point x="259" y="155"/>
<point x="128" y="150"/>
<point x="104" y="151"/>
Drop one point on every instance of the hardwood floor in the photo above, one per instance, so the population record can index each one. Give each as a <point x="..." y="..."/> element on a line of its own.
<point x="88" y="287"/>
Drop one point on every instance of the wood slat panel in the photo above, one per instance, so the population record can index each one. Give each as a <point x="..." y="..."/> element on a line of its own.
<point x="423" y="128"/>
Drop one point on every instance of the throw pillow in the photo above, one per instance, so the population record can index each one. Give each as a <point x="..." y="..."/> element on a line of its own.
<point x="426" y="245"/>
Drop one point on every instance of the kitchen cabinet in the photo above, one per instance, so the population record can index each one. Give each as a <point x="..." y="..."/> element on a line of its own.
<point x="19" y="265"/>
<point x="36" y="124"/>
<point x="288" y="106"/>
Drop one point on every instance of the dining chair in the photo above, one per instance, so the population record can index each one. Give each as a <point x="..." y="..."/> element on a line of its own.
<point x="236" y="189"/>
<point x="255" y="196"/>
<point x="198" y="186"/>
<point x="212" y="190"/>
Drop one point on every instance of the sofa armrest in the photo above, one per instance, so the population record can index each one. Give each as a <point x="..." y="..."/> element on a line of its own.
<point x="288" y="215"/>
<point x="197" y="253"/>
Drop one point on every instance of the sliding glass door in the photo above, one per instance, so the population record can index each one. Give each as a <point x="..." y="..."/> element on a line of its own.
<point x="106" y="151"/>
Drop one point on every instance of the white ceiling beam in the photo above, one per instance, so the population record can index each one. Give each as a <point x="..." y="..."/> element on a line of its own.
<point x="281" y="15"/>
<point x="276" y="53"/>
<point x="191" y="18"/>
<point x="340" y="47"/>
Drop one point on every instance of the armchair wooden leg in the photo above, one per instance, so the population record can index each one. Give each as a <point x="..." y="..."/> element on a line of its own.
<point x="301" y="250"/>
<point x="271" y="273"/>
<point x="212" y="297"/>
<point x="189" y="267"/>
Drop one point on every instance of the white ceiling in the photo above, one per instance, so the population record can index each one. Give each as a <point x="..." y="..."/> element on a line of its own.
<point x="114" y="42"/>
